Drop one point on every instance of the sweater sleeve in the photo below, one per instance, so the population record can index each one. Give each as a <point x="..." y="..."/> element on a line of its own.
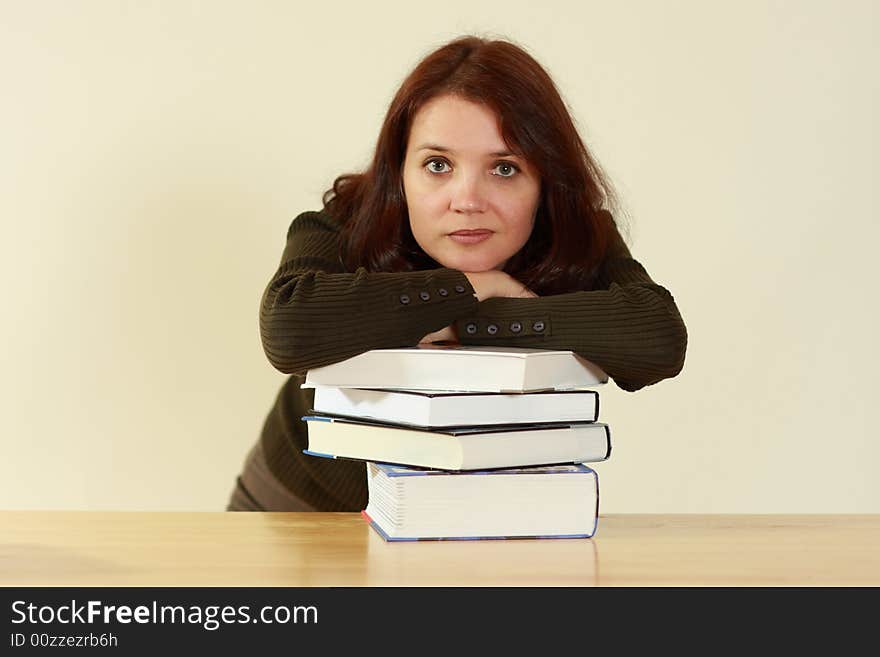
<point x="627" y="324"/>
<point x="314" y="313"/>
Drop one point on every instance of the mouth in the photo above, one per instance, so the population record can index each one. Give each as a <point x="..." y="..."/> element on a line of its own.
<point x="470" y="236"/>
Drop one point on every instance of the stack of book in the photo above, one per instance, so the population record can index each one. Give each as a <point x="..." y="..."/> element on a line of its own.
<point x="466" y="442"/>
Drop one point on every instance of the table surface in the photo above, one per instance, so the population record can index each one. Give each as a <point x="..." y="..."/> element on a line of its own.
<point x="95" y="548"/>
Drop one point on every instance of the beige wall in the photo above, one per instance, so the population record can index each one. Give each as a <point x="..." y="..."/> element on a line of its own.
<point x="153" y="154"/>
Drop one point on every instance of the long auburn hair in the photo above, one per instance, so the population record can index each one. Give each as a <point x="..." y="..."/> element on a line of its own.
<point x="571" y="232"/>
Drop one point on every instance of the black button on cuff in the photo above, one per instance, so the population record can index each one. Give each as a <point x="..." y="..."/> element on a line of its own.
<point x="404" y="299"/>
<point x="515" y="327"/>
<point x="443" y="292"/>
<point x="424" y="296"/>
<point x="538" y="327"/>
<point x="492" y="329"/>
<point x="459" y="288"/>
<point x="471" y="328"/>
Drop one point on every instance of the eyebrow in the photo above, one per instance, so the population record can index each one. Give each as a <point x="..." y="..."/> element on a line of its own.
<point x="443" y="149"/>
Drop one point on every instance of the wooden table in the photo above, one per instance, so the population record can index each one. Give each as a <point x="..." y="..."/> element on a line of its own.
<point x="90" y="548"/>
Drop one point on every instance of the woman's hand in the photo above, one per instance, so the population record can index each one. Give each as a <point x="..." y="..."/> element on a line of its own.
<point x="493" y="283"/>
<point x="447" y="334"/>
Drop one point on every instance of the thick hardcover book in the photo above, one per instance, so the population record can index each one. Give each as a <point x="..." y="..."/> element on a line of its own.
<point x="551" y="502"/>
<point x="460" y="368"/>
<point x="458" y="409"/>
<point x="460" y="448"/>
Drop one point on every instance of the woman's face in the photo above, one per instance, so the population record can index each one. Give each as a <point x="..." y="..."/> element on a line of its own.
<point x="471" y="202"/>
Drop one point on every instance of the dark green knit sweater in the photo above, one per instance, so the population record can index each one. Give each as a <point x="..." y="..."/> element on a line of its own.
<point x="314" y="313"/>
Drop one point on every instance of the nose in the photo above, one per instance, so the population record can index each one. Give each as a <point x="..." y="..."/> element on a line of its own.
<point x="468" y="195"/>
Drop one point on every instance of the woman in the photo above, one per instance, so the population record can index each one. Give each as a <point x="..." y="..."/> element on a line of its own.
<point x="481" y="219"/>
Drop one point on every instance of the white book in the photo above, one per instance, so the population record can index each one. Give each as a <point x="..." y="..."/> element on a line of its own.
<point x="451" y="409"/>
<point x="551" y="502"/>
<point x="460" y="368"/>
<point x="462" y="448"/>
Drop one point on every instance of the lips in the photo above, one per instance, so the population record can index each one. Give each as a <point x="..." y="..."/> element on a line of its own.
<point x="470" y="236"/>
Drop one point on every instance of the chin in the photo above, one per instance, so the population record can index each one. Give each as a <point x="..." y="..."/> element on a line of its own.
<point x="471" y="264"/>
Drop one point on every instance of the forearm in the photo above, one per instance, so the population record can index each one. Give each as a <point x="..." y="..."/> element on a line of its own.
<point x="312" y="318"/>
<point x="633" y="331"/>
